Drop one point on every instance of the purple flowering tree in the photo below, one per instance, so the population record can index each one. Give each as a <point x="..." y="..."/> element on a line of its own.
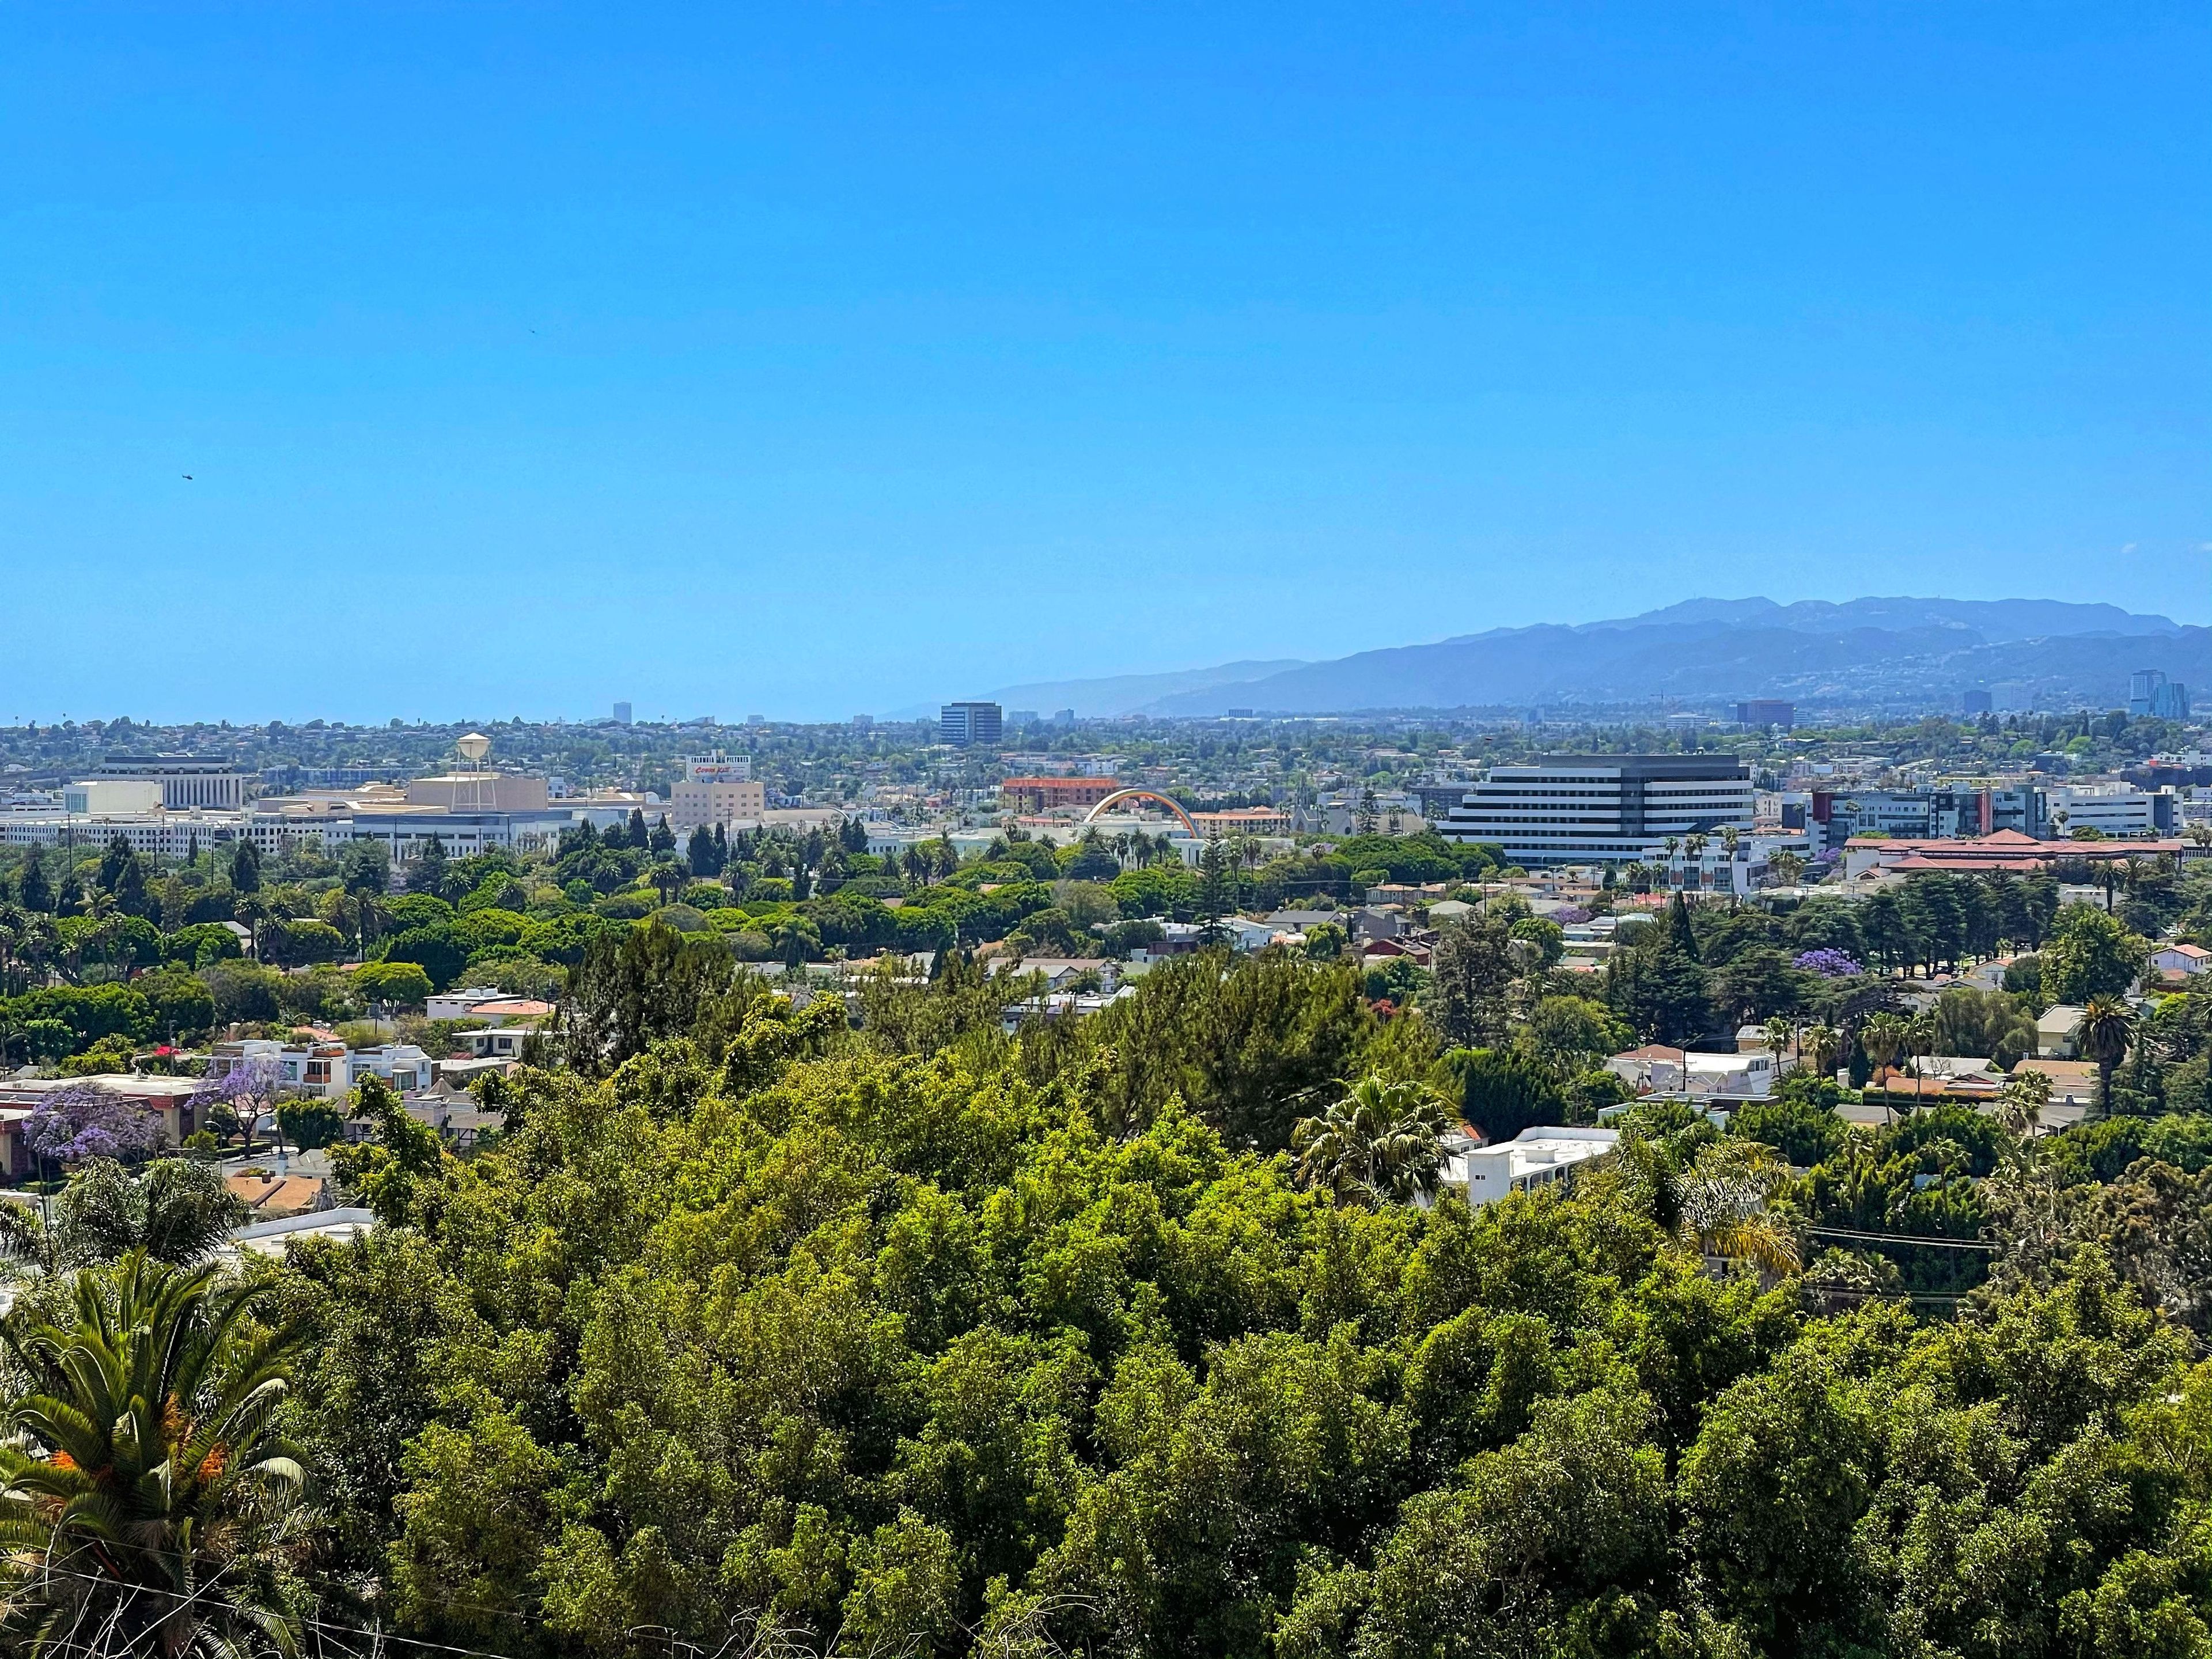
<point x="249" y="1090"/>
<point x="1567" y="915"/>
<point x="1829" y="963"/>
<point x="84" y="1121"/>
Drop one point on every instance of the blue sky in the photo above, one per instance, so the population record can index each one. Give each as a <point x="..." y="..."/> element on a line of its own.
<point x="820" y="359"/>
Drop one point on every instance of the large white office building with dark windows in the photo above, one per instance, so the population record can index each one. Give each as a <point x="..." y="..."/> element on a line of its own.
<point x="1594" y="809"/>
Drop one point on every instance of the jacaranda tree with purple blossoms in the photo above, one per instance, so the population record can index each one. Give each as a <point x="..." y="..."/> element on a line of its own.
<point x="249" y="1090"/>
<point x="85" y="1121"/>
<point x="1829" y="963"/>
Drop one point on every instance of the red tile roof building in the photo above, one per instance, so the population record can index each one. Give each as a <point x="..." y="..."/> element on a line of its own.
<point x="2008" y="850"/>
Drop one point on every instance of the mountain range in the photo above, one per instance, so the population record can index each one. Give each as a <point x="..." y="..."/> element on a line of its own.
<point x="1888" y="655"/>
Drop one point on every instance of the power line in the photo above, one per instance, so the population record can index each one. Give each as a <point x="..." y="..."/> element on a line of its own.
<point x="1904" y="1239"/>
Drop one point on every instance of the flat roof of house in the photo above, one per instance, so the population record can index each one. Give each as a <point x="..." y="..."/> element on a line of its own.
<point x="275" y="1194"/>
<point x="270" y="1237"/>
<point x="29" y="1091"/>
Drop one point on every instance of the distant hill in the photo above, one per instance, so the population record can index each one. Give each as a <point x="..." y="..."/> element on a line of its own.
<point x="1124" y="694"/>
<point x="1899" y="654"/>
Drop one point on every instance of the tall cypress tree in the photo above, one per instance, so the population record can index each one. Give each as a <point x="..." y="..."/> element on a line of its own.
<point x="130" y="889"/>
<point x="245" y="868"/>
<point x="113" y="861"/>
<point x="1680" y="936"/>
<point x="38" y="893"/>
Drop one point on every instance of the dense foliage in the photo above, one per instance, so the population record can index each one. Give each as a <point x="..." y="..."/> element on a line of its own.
<point x="774" y="1328"/>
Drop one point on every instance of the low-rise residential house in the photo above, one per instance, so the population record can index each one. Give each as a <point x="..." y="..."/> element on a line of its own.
<point x="512" y="1011"/>
<point x="310" y="1068"/>
<point x="1304" y="922"/>
<point x="1179" y="938"/>
<point x="457" y="1005"/>
<point x="1411" y="895"/>
<point x="1382" y="950"/>
<point x="1655" y="1069"/>
<point x="1245" y="935"/>
<point x="324" y="1070"/>
<point x="2180" y="961"/>
<point x="2058" y="1032"/>
<point x="1060" y="972"/>
<point x="1059" y="1004"/>
<point x="401" y="1065"/>
<point x="271" y="1196"/>
<point x="1936" y="1079"/>
<point x="1536" y="1158"/>
<point x="2073" y="1088"/>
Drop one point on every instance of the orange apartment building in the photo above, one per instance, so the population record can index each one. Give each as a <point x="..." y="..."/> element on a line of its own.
<point x="1043" y="794"/>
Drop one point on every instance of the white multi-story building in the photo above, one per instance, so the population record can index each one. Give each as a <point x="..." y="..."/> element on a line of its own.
<point x="1583" y="809"/>
<point x="157" y="835"/>
<point x="111" y="797"/>
<point x="2117" y="809"/>
<point x="326" y="1070"/>
<point x="187" y="781"/>
<point x="1532" y="1160"/>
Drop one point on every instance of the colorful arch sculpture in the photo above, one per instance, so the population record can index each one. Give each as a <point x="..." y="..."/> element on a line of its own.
<point x="1120" y="795"/>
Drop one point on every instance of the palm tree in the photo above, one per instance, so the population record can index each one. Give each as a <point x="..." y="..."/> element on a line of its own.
<point x="1785" y="867"/>
<point x="2021" y="1100"/>
<point x="1919" y="1040"/>
<point x="1378" y="1142"/>
<point x="145" y="1490"/>
<point x="1883" y="1037"/>
<point x="1721" y="1206"/>
<point x="2107" y="1026"/>
<point x="2199" y="834"/>
<point x="1818" y="1049"/>
<point x="1779" y="1033"/>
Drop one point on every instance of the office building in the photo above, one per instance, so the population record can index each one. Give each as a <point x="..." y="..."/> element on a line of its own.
<point x="964" y="724"/>
<point x="1584" y="809"/>
<point x="717" y="790"/>
<point x="407" y="831"/>
<point x="1925" y="814"/>
<point x="1975" y="702"/>
<point x="2152" y="695"/>
<point x="283" y="780"/>
<point x="103" y="796"/>
<point x="623" y="714"/>
<point x="187" y="781"/>
<point x="1766" y="711"/>
<point x="1021" y="717"/>
<point x="2114" y="809"/>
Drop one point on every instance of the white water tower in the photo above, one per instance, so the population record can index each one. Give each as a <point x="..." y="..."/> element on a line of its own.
<point x="481" y="796"/>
